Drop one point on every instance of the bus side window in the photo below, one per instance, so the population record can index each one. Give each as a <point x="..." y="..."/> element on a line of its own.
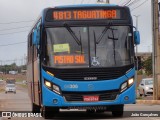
<point x="30" y="45"/>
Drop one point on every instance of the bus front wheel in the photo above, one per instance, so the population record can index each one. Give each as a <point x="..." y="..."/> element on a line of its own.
<point x="35" y="108"/>
<point x="49" y="112"/>
<point x="90" y="110"/>
<point x="117" y="110"/>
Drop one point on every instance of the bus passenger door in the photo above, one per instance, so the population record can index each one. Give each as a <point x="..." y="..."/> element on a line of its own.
<point x="36" y="77"/>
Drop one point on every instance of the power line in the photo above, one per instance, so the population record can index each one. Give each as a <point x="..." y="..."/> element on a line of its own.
<point x="127" y="3"/>
<point x="123" y="3"/>
<point x="14" y="28"/>
<point x="119" y="2"/>
<point x="12" y="44"/>
<point x="133" y="2"/>
<point x="139" y="5"/>
<point x="16" y="60"/>
<point x="17" y="22"/>
<point x="13" y="32"/>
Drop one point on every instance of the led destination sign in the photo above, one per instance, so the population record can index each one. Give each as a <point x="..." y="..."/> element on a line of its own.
<point x="85" y="14"/>
<point x="69" y="59"/>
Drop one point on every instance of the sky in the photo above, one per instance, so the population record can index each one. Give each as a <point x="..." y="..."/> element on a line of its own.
<point x="18" y="16"/>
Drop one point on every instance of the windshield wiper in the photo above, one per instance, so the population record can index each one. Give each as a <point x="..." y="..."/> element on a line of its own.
<point x="80" y="41"/>
<point x="100" y="37"/>
<point x="102" y="34"/>
<point x="95" y="46"/>
<point x="112" y="38"/>
<point x="72" y="33"/>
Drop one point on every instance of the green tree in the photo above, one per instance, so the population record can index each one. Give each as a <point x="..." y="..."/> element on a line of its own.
<point x="147" y="65"/>
<point x="12" y="67"/>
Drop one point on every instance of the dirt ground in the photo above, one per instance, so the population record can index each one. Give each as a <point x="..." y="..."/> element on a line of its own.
<point x="17" y="76"/>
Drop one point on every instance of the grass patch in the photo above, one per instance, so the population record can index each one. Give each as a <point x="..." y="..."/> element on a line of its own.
<point x="23" y="85"/>
<point x="19" y="80"/>
<point x="139" y="98"/>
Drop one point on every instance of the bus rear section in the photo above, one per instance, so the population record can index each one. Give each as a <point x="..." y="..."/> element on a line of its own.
<point x="86" y="60"/>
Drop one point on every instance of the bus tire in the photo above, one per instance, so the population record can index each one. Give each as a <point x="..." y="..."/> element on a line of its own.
<point x="35" y="108"/>
<point x="49" y="112"/>
<point x="90" y="110"/>
<point x="117" y="110"/>
<point x="100" y="111"/>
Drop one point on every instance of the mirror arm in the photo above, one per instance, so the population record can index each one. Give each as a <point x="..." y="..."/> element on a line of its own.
<point x="135" y="28"/>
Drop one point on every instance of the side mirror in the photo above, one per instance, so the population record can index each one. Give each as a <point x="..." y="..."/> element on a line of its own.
<point x="36" y="37"/>
<point x="136" y="37"/>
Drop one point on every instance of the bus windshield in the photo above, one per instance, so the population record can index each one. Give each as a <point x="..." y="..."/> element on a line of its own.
<point x="89" y="46"/>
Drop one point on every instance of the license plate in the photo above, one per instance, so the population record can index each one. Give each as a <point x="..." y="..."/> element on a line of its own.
<point x="90" y="98"/>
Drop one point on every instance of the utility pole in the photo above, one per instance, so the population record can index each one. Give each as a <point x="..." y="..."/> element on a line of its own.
<point x="107" y="1"/>
<point x="136" y="75"/>
<point x="156" y="50"/>
<point x="136" y="16"/>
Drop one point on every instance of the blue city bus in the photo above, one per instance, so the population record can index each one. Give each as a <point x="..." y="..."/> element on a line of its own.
<point x="82" y="57"/>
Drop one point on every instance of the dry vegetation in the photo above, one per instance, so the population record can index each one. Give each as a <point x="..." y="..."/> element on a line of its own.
<point x="17" y="76"/>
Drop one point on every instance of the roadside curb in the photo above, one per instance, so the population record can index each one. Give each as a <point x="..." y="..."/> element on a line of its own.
<point x="148" y="102"/>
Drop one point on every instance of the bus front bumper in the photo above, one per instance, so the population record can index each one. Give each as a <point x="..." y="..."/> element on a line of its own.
<point x="54" y="100"/>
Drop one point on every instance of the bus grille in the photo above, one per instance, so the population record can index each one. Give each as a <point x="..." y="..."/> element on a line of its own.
<point x="78" y="96"/>
<point x="79" y="74"/>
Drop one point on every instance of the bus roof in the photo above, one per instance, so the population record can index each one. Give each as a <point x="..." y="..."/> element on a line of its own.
<point x="85" y="5"/>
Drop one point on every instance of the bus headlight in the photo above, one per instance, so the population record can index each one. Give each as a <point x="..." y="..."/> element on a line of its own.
<point x="123" y="86"/>
<point x="56" y="89"/>
<point x="48" y="84"/>
<point x="127" y="84"/>
<point x="53" y="87"/>
<point x="130" y="81"/>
